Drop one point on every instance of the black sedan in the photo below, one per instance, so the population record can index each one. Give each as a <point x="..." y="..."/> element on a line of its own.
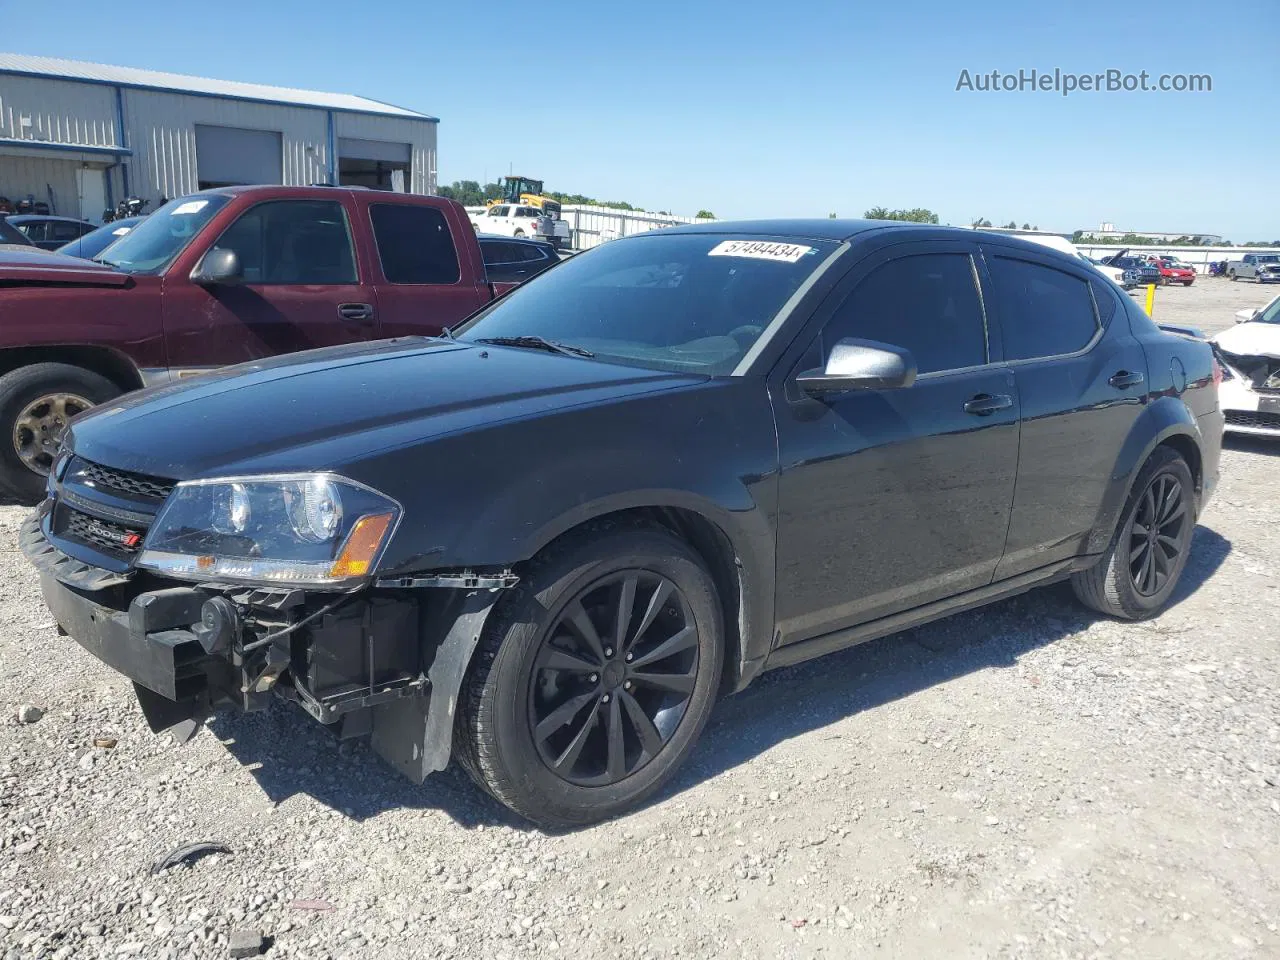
<point x="49" y="232"/>
<point x="545" y="545"/>
<point x="515" y="259"/>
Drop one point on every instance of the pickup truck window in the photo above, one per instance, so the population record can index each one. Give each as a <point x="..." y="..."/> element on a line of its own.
<point x="415" y="244"/>
<point x="292" y="241"/>
<point x="153" y="243"/>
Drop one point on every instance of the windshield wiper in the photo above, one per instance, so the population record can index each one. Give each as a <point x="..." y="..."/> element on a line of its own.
<point x="536" y="343"/>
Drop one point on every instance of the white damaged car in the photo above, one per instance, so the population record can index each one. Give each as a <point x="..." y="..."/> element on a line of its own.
<point x="1250" y="354"/>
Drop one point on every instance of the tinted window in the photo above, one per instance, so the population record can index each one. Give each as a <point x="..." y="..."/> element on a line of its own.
<point x="64" y="232"/>
<point x="928" y="304"/>
<point x="292" y="241"/>
<point x="499" y="253"/>
<point x="1105" y="299"/>
<point x="414" y="244"/>
<point x="34" y="229"/>
<point x="1043" y="312"/>
<point x="527" y="251"/>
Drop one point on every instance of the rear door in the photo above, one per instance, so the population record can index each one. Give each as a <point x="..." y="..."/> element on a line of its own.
<point x="425" y="282"/>
<point x="302" y="289"/>
<point x="1081" y="379"/>
<point x="889" y="499"/>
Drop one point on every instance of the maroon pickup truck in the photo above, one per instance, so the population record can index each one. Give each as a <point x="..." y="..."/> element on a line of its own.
<point x="220" y="277"/>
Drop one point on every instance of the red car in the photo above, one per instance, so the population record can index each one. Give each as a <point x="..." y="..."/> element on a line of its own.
<point x="218" y="278"/>
<point x="1171" y="271"/>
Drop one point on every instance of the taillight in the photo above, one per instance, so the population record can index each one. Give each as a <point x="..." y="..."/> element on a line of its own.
<point x="1217" y="372"/>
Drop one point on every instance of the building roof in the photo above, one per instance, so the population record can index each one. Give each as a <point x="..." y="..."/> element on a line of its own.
<point x="16" y="63"/>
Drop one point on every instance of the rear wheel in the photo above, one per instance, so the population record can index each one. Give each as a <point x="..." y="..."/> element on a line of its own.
<point x="1140" y="569"/>
<point x="594" y="677"/>
<point x="35" y="404"/>
<point x="1232" y="274"/>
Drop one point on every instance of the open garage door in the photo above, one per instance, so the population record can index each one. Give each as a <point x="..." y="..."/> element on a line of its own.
<point x="230" y="156"/>
<point x="380" y="164"/>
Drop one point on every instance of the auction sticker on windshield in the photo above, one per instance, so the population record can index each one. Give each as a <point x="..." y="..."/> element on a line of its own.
<point x="191" y="206"/>
<point x="760" y="250"/>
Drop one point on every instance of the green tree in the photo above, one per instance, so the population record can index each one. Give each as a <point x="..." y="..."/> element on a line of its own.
<point x="914" y="215"/>
<point x="706" y="215"/>
<point x="1027" y="226"/>
<point x="1011" y="225"/>
<point x="878" y="213"/>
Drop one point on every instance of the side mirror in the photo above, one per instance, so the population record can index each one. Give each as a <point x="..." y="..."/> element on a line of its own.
<point x="861" y="365"/>
<point x="1245" y="315"/>
<point x="218" y="267"/>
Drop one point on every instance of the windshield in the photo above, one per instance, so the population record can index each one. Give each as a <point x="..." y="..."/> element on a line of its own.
<point x="152" y="244"/>
<point x="1268" y="258"/>
<point x="687" y="302"/>
<point x="94" y="242"/>
<point x="1270" y="313"/>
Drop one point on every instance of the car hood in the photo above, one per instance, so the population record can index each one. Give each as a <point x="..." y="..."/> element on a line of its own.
<point x="322" y="408"/>
<point x="35" y="267"/>
<point x="1251" y="339"/>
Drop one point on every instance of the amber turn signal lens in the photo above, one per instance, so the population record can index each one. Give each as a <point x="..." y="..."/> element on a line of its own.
<point x="362" y="545"/>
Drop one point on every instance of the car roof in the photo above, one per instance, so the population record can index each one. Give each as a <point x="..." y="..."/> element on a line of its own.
<point x="800" y="229"/>
<point x="31" y="217"/>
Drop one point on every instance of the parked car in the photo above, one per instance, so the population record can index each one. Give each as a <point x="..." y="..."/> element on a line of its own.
<point x="95" y="241"/>
<point x="513" y="220"/>
<point x="544" y="545"/>
<point x="1171" y="271"/>
<point x="515" y="260"/>
<point x="216" y="278"/>
<point x="12" y="235"/>
<point x="1250" y="352"/>
<point x="1137" y="271"/>
<point x="1056" y="242"/>
<point x="49" y="233"/>
<point x="1260" y="267"/>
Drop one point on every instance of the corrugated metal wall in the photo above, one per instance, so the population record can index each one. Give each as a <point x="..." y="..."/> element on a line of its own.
<point x="420" y="135"/>
<point x="35" y="176"/>
<point x="57" y="111"/>
<point x="162" y="136"/>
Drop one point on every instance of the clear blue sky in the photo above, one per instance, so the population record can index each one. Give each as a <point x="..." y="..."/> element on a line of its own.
<point x="750" y="108"/>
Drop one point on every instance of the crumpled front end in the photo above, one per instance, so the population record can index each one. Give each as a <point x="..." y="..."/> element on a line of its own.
<point x="361" y="660"/>
<point x="1250" y="393"/>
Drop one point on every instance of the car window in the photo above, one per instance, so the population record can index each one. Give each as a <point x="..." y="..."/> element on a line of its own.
<point x="499" y="211"/>
<point x="693" y="302"/>
<point x="415" y="244"/>
<point x="928" y="304"/>
<point x="292" y="242"/>
<point x="34" y="229"/>
<point x="154" y="243"/>
<point x="496" y="253"/>
<point x="64" y="232"/>
<point x="1043" y="312"/>
<point x="527" y="251"/>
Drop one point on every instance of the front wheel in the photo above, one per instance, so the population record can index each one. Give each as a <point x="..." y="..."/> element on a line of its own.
<point x="594" y="677"/>
<point x="1140" y="569"/>
<point x="1232" y="275"/>
<point x="35" y="404"/>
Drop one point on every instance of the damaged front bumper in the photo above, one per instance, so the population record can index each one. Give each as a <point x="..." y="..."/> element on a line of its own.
<point x="1250" y="393"/>
<point x="386" y="660"/>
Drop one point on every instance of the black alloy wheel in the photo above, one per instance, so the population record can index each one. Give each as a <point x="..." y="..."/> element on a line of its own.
<point x="1156" y="540"/>
<point x="594" y="675"/>
<point x="613" y="678"/>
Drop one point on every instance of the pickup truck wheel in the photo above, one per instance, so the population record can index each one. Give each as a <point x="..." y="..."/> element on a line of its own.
<point x="35" y="404"/>
<point x="1232" y="275"/>
<point x="1140" y="569"/>
<point x="594" y="677"/>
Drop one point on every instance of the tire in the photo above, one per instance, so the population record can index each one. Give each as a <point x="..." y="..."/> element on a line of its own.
<point x="1187" y="283"/>
<point x="1232" y="276"/>
<point x="506" y="736"/>
<point x="1110" y="586"/>
<point x="21" y="388"/>
<point x="518" y="233"/>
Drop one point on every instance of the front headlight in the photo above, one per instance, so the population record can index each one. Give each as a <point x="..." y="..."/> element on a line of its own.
<point x="304" y="529"/>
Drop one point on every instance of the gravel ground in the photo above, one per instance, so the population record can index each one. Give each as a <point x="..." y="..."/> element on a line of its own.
<point x="1024" y="781"/>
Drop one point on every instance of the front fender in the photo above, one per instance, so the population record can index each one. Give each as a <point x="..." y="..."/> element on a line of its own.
<point x="1163" y="418"/>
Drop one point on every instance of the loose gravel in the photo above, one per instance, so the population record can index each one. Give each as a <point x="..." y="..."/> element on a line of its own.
<point x="1024" y="781"/>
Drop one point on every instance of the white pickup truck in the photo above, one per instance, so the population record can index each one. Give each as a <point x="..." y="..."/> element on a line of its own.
<point x="514" y="220"/>
<point x="1259" y="267"/>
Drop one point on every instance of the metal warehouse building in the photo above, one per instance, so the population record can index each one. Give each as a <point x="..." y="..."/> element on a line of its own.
<point x="81" y="136"/>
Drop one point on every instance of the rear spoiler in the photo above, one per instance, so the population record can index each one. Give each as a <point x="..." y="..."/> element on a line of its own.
<point x="1195" y="333"/>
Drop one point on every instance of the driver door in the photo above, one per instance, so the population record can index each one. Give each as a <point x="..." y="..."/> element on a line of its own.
<point x="301" y="289"/>
<point x="889" y="499"/>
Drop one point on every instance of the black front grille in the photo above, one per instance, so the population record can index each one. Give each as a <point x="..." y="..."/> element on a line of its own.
<point x="121" y="481"/>
<point x="103" y="534"/>
<point x="1253" y="418"/>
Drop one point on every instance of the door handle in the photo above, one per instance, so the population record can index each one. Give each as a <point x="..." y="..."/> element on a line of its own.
<point x="356" y="312"/>
<point x="1125" y="378"/>
<point x="985" y="404"/>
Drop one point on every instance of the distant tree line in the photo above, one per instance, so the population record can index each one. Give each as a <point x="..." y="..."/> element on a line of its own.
<point x="914" y="215"/>
<point x="1136" y="240"/>
<point x="470" y="193"/>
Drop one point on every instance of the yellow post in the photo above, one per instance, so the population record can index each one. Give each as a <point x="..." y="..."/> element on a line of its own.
<point x="1151" y="298"/>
